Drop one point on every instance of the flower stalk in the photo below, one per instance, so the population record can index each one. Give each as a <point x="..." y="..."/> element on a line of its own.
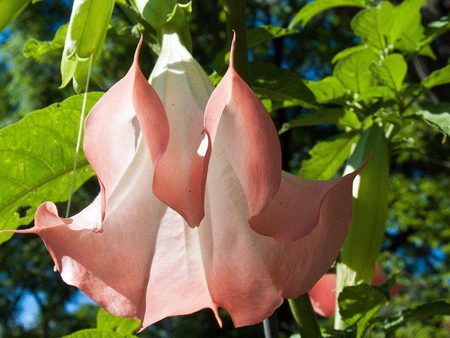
<point x="304" y="316"/>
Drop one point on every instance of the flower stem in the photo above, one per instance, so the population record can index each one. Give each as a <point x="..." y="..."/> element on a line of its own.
<point x="80" y="133"/>
<point x="271" y="326"/>
<point x="305" y="317"/>
<point x="235" y="17"/>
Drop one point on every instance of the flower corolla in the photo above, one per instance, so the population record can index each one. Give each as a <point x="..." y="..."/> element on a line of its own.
<point x="194" y="210"/>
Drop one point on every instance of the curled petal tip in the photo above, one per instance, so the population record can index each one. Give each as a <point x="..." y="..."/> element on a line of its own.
<point x="138" y="49"/>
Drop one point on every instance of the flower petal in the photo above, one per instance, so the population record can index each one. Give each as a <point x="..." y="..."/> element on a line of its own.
<point x="250" y="274"/>
<point x="323" y="295"/>
<point x="145" y="265"/>
<point x="112" y="129"/>
<point x="301" y="204"/>
<point x="184" y="88"/>
<point x="249" y="137"/>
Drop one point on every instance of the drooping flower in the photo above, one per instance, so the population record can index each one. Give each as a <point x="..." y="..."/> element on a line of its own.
<point x="194" y="210"/>
<point x="323" y="293"/>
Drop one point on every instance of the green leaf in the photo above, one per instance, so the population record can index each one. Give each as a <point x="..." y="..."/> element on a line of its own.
<point x="346" y="52"/>
<point x="37" y="159"/>
<point x="354" y="71"/>
<point x="437" y="78"/>
<point x="391" y="323"/>
<point x="276" y="84"/>
<point x="370" y="208"/>
<point x="336" y="116"/>
<point x="328" y="156"/>
<point x="376" y="92"/>
<point x="97" y="333"/>
<point x="436" y="29"/>
<point x="312" y="8"/>
<point x="107" y="321"/>
<point x="373" y="24"/>
<point x="391" y="71"/>
<point x="358" y="304"/>
<point x="258" y="35"/>
<point x="406" y="16"/>
<point x="411" y="39"/>
<point x="157" y="12"/>
<point x="10" y="9"/>
<point x="328" y="90"/>
<point x="438" y="115"/>
<point x="35" y="49"/>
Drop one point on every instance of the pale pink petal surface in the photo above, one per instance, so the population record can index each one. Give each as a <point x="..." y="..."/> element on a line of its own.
<point x="250" y="274"/>
<point x="184" y="89"/>
<point x="323" y="295"/>
<point x="112" y="128"/>
<point x="249" y="138"/>
<point x="142" y="264"/>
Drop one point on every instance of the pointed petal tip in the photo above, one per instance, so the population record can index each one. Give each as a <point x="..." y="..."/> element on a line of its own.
<point x="233" y="47"/>
<point x="138" y="49"/>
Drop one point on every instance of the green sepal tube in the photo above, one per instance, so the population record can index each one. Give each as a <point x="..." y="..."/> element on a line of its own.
<point x="370" y="204"/>
<point x="10" y="9"/>
<point x="168" y="16"/>
<point x="87" y="27"/>
<point x="370" y="211"/>
<point x="85" y="37"/>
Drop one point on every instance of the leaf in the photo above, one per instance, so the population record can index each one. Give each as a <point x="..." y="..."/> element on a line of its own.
<point x="336" y="116"/>
<point x="438" y="115"/>
<point x="11" y="10"/>
<point x="376" y="92"/>
<point x="346" y="52"/>
<point x="358" y="304"/>
<point x="437" y="78"/>
<point x="354" y="71"/>
<point x="406" y="16"/>
<point x="312" y="8"/>
<point x="391" y="71"/>
<point x="328" y="156"/>
<point x="97" y="333"/>
<point x="157" y="12"/>
<point x="370" y="207"/>
<point x="107" y="321"/>
<point x="328" y="90"/>
<point x="373" y="24"/>
<point x="436" y="29"/>
<point x="37" y="159"/>
<point x="258" y="35"/>
<point x="411" y="39"/>
<point x="272" y="83"/>
<point x="35" y="49"/>
<point x="437" y="308"/>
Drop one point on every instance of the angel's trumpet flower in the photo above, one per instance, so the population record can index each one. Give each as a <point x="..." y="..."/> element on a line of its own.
<point x="194" y="210"/>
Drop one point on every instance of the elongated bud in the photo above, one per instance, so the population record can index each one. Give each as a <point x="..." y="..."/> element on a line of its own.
<point x="371" y="189"/>
<point x="87" y="27"/>
<point x="85" y="38"/>
<point x="370" y="210"/>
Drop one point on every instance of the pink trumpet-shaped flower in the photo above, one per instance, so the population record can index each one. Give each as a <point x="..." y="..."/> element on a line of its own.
<point x="184" y="154"/>
<point x="323" y="293"/>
